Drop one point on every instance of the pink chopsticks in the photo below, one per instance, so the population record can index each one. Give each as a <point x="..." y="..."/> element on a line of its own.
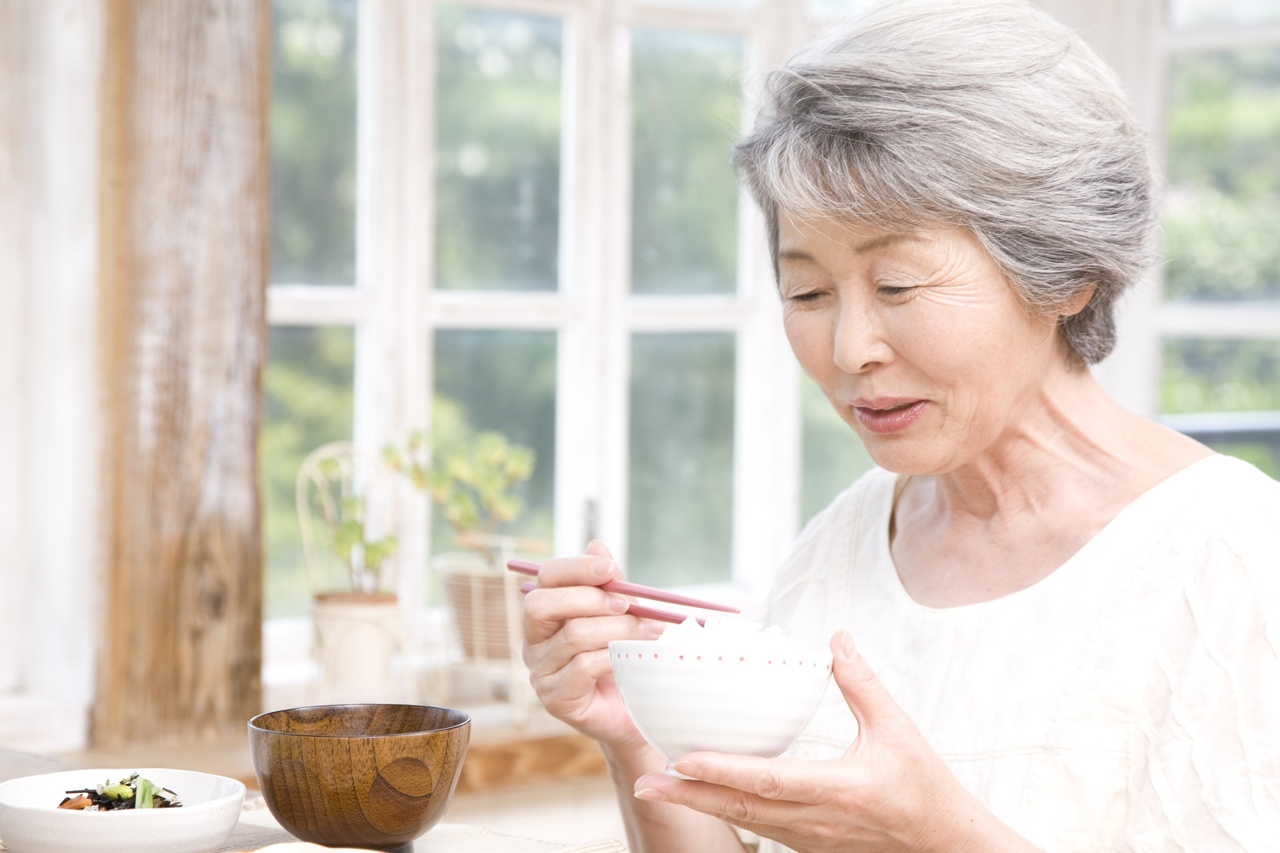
<point x="623" y="587"/>
<point x="639" y="610"/>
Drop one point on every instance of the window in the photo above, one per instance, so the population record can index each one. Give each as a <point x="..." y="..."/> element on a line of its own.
<point x="309" y="379"/>
<point x="493" y="218"/>
<point x="523" y="219"/>
<point x="1220" y="319"/>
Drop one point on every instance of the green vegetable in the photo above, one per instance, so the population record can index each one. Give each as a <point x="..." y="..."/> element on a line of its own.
<point x="146" y="790"/>
<point x="118" y="792"/>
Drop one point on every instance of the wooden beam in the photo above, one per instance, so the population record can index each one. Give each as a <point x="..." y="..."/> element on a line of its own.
<point x="184" y="213"/>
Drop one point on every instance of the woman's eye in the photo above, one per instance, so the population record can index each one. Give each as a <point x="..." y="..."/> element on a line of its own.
<point x="805" y="296"/>
<point x="893" y="290"/>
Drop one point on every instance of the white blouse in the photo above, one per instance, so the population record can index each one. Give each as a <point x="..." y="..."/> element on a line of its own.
<point x="1130" y="701"/>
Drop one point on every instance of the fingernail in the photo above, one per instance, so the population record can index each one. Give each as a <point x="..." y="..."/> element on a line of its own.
<point x="651" y="794"/>
<point x="601" y="567"/>
<point x="687" y="768"/>
<point x="846" y="644"/>
<point x="617" y="604"/>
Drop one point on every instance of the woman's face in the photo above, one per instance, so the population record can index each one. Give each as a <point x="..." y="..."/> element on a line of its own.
<point x="917" y="340"/>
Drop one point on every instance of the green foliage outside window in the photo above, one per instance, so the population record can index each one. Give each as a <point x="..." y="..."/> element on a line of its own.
<point x="1223" y="212"/>
<point x="1222" y="231"/>
<point x="498" y="120"/>
<point x="308" y="401"/>
<point x="313" y="142"/>
<point x="686" y="112"/>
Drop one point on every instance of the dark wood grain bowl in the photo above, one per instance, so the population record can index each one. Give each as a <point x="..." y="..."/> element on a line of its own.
<point x="375" y="776"/>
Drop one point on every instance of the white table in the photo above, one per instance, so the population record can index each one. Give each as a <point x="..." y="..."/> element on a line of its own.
<point x="257" y="828"/>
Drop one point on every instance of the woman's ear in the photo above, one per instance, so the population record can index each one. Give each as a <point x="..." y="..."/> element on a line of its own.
<point x="1076" y="304"/>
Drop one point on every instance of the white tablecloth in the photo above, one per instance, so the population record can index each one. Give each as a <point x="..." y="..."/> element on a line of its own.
<point x="258" y="829"/>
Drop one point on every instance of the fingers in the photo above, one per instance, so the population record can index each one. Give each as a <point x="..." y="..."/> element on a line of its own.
<point x="546" y="610"/>
<point x="568" y="617"/>
<point x="593" y="568"/>
<point x="864" y="693"/>
<point x="580" y="678"/>
<point x="738" y="807"/>
<point x="769" y="778"/>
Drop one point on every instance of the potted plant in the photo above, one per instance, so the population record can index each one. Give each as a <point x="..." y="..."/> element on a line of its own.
<point x="357" y="623"/>
<point x="472" y="477"/>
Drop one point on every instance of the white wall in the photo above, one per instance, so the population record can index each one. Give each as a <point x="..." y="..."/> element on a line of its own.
<point x="13" y="375"/>
<point x="48" y="328"/>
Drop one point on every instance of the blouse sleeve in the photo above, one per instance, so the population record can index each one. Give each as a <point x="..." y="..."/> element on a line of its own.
<point x="1211" y="779"/>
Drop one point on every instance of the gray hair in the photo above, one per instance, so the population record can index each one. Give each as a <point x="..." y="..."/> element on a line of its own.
<point x="983" y="114"/>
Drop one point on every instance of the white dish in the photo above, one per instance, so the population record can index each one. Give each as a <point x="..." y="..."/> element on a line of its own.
<point x="686" y="696"/>
<point x="31" y="822"/>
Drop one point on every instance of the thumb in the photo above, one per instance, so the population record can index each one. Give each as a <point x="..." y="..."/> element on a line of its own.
<point x="866" y="696"/>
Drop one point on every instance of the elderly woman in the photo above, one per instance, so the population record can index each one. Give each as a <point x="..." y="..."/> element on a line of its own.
<point x="1065" y="616"/>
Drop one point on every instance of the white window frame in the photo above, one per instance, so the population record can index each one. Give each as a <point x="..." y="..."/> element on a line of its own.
<point x="395" y="311"/>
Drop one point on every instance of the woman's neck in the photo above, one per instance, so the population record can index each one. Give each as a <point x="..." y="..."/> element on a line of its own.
<point x="1010" y="516"/>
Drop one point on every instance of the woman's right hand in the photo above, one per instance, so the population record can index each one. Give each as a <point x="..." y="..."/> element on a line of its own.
<point x="568" y="623"/>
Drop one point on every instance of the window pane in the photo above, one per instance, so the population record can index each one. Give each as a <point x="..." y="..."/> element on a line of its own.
<point x="1199" y="13"/>
<point x="308" y="402"/>
<point x="498" y="157"/>
<point x="501" y="381"/>
<point x="1211" y="376"/>
<point x="685" y="110"/>
<point x="680" y="520"/>
<point x="833" y="456"/>
<point x="1223" y="210"/>
<point x="313" y="142"/>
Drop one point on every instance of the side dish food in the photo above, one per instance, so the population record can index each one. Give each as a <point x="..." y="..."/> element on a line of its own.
<point x="133" y="792"/>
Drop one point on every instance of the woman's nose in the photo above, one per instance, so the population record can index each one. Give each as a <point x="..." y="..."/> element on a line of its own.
<point x="860" y="342"/>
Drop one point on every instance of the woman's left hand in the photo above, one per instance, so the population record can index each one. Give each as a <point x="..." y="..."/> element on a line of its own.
<point x="888" y="792"/>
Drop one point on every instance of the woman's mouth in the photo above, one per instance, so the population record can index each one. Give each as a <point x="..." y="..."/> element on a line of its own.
<point x="888" y="416"/>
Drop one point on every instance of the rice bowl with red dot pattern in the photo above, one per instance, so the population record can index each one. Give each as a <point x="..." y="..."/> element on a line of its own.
<point x="733" y="687"/>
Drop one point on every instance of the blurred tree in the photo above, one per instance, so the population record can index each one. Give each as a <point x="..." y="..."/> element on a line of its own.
<point x="1221" y="226"/>
<point x="313" y="142"/>
<point x="680" y="489"/>
<point x="498" y="116"/>
<point x="309" y="401"/>
<point x="686" y="112"/>
<point x="477" y="390"/>
<point x="1223" y="212"/>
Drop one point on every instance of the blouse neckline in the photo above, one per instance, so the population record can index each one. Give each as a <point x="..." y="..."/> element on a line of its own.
<point x="1148" y="501"/>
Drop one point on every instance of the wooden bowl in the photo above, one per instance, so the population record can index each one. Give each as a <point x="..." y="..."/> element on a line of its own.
<point x="374" y="776"/>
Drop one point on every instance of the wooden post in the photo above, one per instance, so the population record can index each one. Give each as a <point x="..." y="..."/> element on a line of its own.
<point x="184" y="211"/>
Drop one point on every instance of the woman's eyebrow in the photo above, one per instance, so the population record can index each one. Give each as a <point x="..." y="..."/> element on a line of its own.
<point x="871" y="245"/>
<point x="887" y="240"/>
<point x="794" y="255"/>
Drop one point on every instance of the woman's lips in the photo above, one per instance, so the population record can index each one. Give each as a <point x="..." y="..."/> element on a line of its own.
<point x="887" y="416"/>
